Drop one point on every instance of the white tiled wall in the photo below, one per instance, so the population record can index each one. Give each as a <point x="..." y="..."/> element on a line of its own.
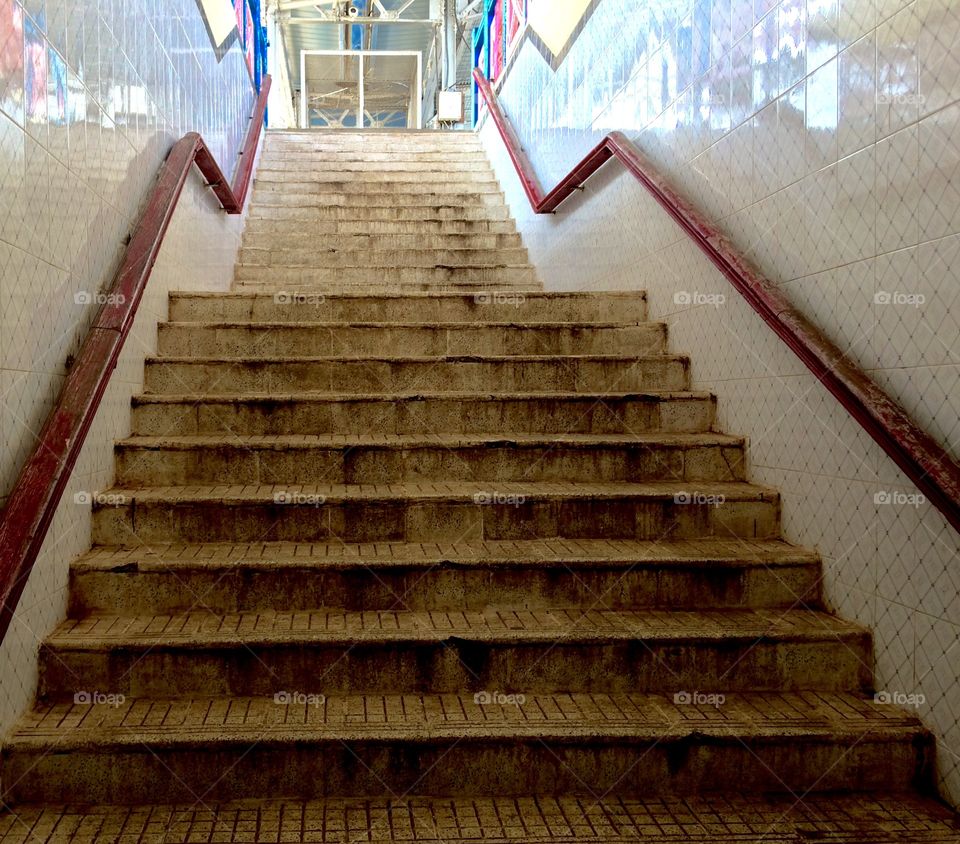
<point x="92" y="95"/>
<point x="824" y="137"/>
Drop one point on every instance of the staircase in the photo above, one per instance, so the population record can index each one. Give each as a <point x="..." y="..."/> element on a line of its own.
<point x="404" y="548"/>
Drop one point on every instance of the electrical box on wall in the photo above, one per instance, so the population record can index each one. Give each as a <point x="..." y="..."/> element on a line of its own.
<point x="450" y="107"/>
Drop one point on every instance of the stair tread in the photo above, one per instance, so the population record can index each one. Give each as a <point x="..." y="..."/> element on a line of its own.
<point x="441" y="490"/>
<point x="367" y="250"/>
<point x="537" y="294"/>
<point x="727" y="818"/>
<point x="453" y="358"/>
<point x="346" y="441"/>
<point x="411" y="717"/>
<point x="466" y="265"/>
<point x="332" y="626"/>
<point x="402" y="324"/>
<point x="378" y="199"/>
<point x="710" y="552"/>
<point x="252" y="397"/>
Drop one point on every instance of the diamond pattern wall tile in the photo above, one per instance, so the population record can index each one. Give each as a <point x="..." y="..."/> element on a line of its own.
<point x="898" y="86"/>
<point x="856" y="18"/>
<point x="857" y="96"/>
<point x="35" y="80"/>
<point x="36" y="205"/>
<point x="820" y="149"/>
<point x="11" y="60"/>
<point x="854" y="220"/>
<point x="794" y="41"/>
<point x="898" y="190"/>
<point x="782" y="159"/>
<point x="13" y="190"/>
<point x="823" y="32"/>
<point x="939" y="203"/>
<point x="937" y="57"/>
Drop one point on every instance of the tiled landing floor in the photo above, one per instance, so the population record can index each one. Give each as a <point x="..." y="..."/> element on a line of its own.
<point x="863" y="819"/>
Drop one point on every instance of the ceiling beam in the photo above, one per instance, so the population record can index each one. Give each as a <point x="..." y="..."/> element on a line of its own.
<point x="341" y="19"/>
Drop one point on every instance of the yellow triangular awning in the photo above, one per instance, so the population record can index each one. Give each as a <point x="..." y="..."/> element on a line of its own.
<point x="221" y="19"/>
<point x="555" y="20"/>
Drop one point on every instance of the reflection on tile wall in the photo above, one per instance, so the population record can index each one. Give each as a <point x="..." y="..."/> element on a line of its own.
<point x="92" y="95"/>
<point x="824" y="137"/>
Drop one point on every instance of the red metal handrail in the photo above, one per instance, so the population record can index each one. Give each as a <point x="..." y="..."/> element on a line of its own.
<point x="921" y="458"/>
<point x="39" y="487"/>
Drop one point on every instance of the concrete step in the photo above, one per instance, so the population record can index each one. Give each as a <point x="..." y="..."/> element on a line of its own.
<point x="386" y="137"/>
<point x="434" y="512"/>
<point x="328" y="652"/>
<point x="338" y="338"/>
<point x="376" y="153"/>
<point x="328" y="147"/>
<point x="380" y="189"/>
<point x="306" y="197"/>
<point x="346" y="374"/>
<point x="286" y="239"/>
<point x="584" y="745"/>
<point x="359" y="141"/>
<point x="259" y="227"/>
<point x="731" y="817"/>
<point x="323" y="280"/>
<point x="416" y="412"/>
<point x="177" y="461"/>
<point x="431" y="180"/>
<point x="438" y="211"/>
<point x="324" y="255"/>
<point x="308" y="166"/>
<point x="490" y="306"/>
<point x="368" y="287"/>
<point x="463" y="576"/>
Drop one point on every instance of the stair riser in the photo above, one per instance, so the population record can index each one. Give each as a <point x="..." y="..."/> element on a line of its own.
<point x="379" y="242"/>
<point x="168" y="589"/>
<point x="189" y="340"/>
<point x="382" y="192"/>
<point x="474" y="768"/>
<point x="458" y="666"/>
<point x="371" y="144"/>
<point x="324" y="255"/>
<point x="377" y="142"/>
<point x="443" y="211"/>
<point x="307" y="167"/>
<point x="435" y="279"/>
<point x="484" y="306"/>
<point x="623" y="517"/>
<point x="348" y="159"/>
<point x="140" y="466"/>
<point x="376" y="196"/>
<point x="461" y="416"/>
<point x="306" y="180"/>
<point x="368" y="288"/>
<point x="445" y="229"/>
<point x="369" y="376"/>
<point x="388" y="139"/>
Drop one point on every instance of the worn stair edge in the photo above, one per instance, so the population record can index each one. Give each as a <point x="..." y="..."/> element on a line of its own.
<point x="199" y="653"/>
<point x="413" y="412"/>
<point x="734" y="818"/>
<point x="529" y="575"/>
<point x="676" y="756"/>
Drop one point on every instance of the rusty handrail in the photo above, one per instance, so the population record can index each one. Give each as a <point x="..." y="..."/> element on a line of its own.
<point x="919" y="455"/>
<point x="35" y="496"/>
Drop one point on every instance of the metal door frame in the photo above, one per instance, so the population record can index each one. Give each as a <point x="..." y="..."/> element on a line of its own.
<point x="361" y="54"/>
